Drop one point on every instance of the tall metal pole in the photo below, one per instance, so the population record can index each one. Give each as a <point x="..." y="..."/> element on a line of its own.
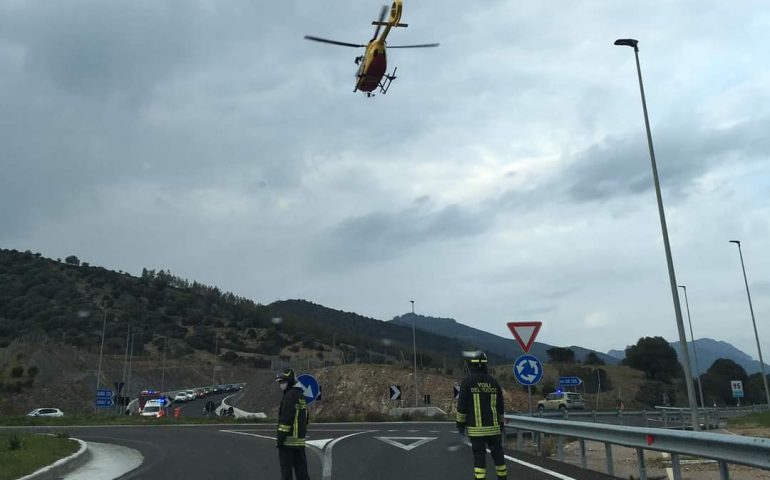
<point x="414" y="352"/>
<point x="669" y="260"/>
<point x="163" y="367"/>
<point x="754" y="322"/>
<point x="694" y="350"/>
<point x="214" y="368"/>
<point x="101" y="351"/>
<point x="125" y="367"/>
<point x="130" y="362"/>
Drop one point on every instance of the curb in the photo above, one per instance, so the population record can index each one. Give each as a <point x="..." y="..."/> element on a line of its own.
<point x="237" y="412"/>
<point x="62" y="466"/>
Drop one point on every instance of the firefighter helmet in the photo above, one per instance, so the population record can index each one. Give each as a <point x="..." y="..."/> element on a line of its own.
<point x="476" y="360"/>
<point x="287" y="376"/>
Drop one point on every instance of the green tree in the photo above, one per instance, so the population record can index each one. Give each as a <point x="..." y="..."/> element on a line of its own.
<point x="655" y="357"/>
<point x="593" y="359"/>
<point x="72" y="260"/>
<point x="561" y="355"/>
<point x="716" y="382"/>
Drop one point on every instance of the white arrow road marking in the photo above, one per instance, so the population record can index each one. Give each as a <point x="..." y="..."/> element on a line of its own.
<point x="325" y="446"/>
<point x="411" y="446"/>
<point x="319" y="444"/>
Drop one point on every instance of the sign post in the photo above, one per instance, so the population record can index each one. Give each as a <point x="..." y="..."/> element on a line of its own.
<point x="395" y="392"/>
<point x="311" y="389"/>
<point x="104" y="398"/>
<point x="527" y="369"/>
<point x="737" y="387"/>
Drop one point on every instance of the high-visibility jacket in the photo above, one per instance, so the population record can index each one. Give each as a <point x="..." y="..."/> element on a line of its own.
<point x="480" y="405"/>
<point x="292" y="419"/>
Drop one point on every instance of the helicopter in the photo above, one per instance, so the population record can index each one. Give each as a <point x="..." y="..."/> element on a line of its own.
<point x="372" y="65"/>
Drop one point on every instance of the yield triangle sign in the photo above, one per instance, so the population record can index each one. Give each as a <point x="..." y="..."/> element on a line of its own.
<point x="411" y="442"/>
<point x="525" y="333"/>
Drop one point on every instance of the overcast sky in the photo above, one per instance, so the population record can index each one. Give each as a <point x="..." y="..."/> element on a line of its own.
<point x="504" y="177"/>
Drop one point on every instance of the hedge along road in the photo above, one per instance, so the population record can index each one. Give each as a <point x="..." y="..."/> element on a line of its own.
<point x="376" y="451"/>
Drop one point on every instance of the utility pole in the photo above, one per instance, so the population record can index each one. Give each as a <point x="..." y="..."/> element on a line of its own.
<point x="163" y="367"/>
<point x="214" y="370"/>
<point x="125" y="367"/>
<point x="414" y="351"/>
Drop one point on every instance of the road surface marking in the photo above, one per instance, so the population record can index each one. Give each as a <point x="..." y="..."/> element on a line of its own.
<point x="538" y="468"/>
<point x="393" y="441"/>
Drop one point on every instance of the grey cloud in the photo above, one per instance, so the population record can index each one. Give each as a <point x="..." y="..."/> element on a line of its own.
<point x="620" y="165"/>
<point x="381" y="235"/>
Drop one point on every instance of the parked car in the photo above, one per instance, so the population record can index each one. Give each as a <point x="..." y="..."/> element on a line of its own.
<point x="152" y="410"/>
<point x="180" y="397"/>
<point x="46" y="412"/>
<point x="200" y="393"/>
<point x="561" y="401"/>
<point x="190" y="395"/>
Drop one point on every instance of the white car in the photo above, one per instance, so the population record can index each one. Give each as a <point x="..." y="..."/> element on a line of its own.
<point x="181" y="397"/>
<point x="190" y="395"/>
<point x="46" y="412"/>
<point x="151" y="410"/>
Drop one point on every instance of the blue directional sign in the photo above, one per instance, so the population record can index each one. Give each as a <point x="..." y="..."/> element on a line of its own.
<point x="310" y="387"/>
<point x="570" y="381"/>
<point x="528" y="370"/>
<point x="104" y="398"/>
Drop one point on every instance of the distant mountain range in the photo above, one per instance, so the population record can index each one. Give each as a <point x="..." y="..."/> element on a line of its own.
<point x="708" y="351"/>
<point x="507" y="348"/>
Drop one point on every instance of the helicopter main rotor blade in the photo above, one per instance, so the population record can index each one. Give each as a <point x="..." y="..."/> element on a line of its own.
<point x="424" y="45"/>
<point x="333" y="42"/>
<point x="383" y="12"/>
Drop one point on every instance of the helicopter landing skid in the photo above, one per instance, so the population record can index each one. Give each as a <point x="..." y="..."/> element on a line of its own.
<point x="387" y="80"/>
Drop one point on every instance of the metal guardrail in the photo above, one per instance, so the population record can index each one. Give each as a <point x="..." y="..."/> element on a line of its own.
<point x="663" y="417"/>
<point x="725" y="449"/>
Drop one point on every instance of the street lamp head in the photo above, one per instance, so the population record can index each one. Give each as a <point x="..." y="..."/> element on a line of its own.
<point x="628" y="42"/>
<point x="736" y="241"/>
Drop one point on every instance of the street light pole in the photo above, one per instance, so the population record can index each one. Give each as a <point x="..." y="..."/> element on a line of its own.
<point x="163" y="366"/>
<point x="754" y="322"/>
<point x="694" y="350"/>
<point x="414" y="352"/>
<point x="628" y="42"/>
<point x="101" y="352"/>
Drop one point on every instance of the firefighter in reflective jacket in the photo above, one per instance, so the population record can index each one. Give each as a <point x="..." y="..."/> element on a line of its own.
<point x="480" y="415"/>
<point x="292" y="427"/>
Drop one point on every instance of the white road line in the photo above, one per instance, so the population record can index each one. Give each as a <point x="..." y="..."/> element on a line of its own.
<point x="327" y="461"/>
<point x="539" y="468"/>
<point x="249" y="434"/>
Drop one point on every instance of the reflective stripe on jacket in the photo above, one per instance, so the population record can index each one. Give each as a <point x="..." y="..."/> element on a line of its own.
<point x="292" y="418"/>
<point x="480" y="405"/>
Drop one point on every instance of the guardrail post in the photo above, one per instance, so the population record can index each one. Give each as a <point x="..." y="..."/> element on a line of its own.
<point x="583" y="459"/>
<point x="675" y="468"/>
<point x="610" y="463"/>
<point x="681" y="419"/>
<point x="593" y="415"/>
<point x="538" y="447"/>
<point x="642" y="468"/>
<point x="724" y="473"/>
<point x="646" y="419"/>
<point x="620" y="415"/>
<point x="665" y="419"/>
<point x="560" y="448"/>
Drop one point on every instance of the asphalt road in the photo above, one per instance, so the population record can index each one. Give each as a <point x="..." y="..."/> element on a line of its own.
<point x="194" y="408"/>
<point x="378" y="451"/>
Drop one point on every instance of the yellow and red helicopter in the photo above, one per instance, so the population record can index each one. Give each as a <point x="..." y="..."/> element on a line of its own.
<point x="372" y="65"/>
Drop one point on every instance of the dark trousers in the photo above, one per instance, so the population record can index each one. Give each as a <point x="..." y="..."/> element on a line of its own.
<point x="479" y="446"/>
<point x="293" y="458"/>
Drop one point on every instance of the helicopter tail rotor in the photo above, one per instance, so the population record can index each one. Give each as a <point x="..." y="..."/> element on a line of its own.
<point x="380" y="22"/>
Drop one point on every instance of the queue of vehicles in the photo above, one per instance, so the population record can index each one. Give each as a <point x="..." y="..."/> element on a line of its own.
<point x="152" y="403"/>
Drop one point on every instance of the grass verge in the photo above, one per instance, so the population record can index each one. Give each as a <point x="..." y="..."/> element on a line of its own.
<point x="24" y="453"/>
<point x="753" y="420"/>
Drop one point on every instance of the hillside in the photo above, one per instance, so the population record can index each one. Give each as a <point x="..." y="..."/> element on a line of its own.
<point x="506" y="348"/>
<point x="710" y="350"/>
